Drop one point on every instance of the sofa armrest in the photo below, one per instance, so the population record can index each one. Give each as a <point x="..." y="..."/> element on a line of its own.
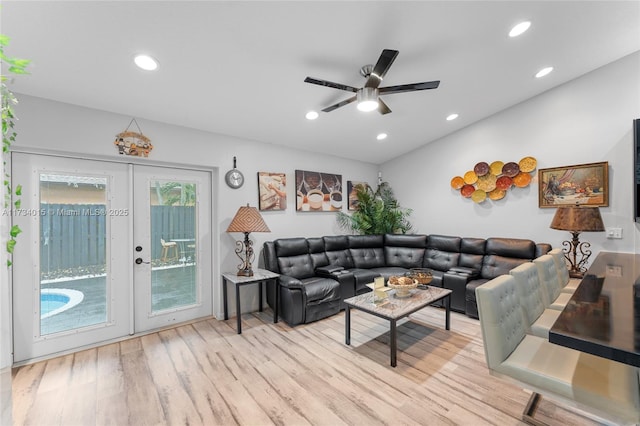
<point x="461" y="270"/>
<point x="289" y="282"/>
<point x="325" y="271"/>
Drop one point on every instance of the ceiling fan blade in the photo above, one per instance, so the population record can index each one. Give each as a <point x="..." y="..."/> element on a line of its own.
<point x="382" y="66"/>
<point x="409" y="87"/>
<point x="383" y="108"/>
<point x="340" y="104"/>
<point x="330" y="84"/>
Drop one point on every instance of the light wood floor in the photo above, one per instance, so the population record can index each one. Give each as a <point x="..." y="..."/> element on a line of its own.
<point x="205" y="374"/>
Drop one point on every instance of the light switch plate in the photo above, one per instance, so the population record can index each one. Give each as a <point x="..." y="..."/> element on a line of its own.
<point x="614" y="233"/>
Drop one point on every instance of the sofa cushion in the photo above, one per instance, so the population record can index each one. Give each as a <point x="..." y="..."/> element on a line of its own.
<point x="337" y="251"/>
<point x="336" y="242"/>
<point x="367" y="258"/>
<point x="471" y="253"/>
<point x="511" y="247"/>
<point x="440" y="260"/>
<point x="442" y="252"/>
<point x="404" y="257"/>
<point x="405" y="240"/>
<point x="299" y="266"/>
<point x="366" y="250"/>
<point x="444" y="243"/>
<point x="493" y="265"/>
<point x="316" y="250"/>
<point x="291" y="246"/>
<point x="320" y="290"/>
<point x="365" y="241"/>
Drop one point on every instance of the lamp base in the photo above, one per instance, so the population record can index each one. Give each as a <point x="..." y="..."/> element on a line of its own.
<point x="576" y="274"/>
<point x="248" y="272"/>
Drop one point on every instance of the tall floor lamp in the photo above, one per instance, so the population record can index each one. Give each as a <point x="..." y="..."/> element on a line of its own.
<point x="577" y="219"/>
<point x="246" y="220"/>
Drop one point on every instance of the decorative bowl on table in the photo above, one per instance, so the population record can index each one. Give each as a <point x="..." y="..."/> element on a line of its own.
<point x="422" y="275"/>
<point x="402" y="285"/>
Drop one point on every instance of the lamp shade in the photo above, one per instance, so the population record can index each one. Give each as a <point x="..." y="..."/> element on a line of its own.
<point x="248" y="219"/>
<point x="578" y="219"/>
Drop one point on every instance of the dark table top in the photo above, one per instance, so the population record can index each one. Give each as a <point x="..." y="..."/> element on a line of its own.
<point x="603" y="316"/>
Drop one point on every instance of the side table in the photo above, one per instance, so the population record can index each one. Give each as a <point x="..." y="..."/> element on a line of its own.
<point x="259" y="277"/>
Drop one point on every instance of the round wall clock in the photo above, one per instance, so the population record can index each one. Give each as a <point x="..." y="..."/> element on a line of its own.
<point x="234" y="177"/>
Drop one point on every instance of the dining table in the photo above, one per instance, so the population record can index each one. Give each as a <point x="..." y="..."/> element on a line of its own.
<point x="603" y="315"/>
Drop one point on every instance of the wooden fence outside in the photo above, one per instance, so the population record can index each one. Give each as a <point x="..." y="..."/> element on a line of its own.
<point x="74" y="235"/>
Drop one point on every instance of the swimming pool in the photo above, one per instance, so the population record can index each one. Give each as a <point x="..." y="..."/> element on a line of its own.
<point x="56" y="300"/>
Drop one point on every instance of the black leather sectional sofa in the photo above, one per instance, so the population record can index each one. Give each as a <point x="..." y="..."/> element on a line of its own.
<point x="317" y="274"/>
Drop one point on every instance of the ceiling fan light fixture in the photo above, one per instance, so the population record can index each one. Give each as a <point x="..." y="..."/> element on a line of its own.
<point x="367" y="99"/>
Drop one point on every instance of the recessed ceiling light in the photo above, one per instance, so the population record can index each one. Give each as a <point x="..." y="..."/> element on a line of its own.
<point x="543" y="72"/>
<point x="519" y="29"/>
<point x="311" y="115"/>
<point x="146" y="62"/>
<point x="381" y="136"/>
<point x="452" y="117"/>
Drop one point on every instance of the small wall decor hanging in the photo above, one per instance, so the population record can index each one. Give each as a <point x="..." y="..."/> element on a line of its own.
<point x="133" y="143"/>
<point x="494" y="180"/>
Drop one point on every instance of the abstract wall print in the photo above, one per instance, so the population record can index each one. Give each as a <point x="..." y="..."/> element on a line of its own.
<point x="493" y="180"/>
<point x="586" y="184"/>
<point x="351" y="190"/>
<point x="272" y="190"/>
<point x="318" y="191"/>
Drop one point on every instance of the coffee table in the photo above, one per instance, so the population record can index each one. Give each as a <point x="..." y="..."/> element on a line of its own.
<point x="395" y="308"/>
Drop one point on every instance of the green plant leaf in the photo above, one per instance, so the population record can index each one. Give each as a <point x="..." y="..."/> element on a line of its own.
<point x="4" y="40"/>
<point x="17" y="204"/>
<point x="17" y="70"/>
<point x="10" y="246"/>
<point x="15" y="230"/>
<point x="19" y="190"/>
<point x="9" y="263"/>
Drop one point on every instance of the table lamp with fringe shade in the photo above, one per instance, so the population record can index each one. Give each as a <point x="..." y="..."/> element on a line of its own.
<point x="246" y="220"/>
<point x="577" y="219"/>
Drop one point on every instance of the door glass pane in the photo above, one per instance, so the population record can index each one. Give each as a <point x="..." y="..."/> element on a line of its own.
<point x="173" y="242"/>
<point x="73" y="247"/>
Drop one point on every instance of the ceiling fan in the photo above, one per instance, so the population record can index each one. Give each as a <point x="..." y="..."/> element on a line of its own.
<point x="368" y="96"/>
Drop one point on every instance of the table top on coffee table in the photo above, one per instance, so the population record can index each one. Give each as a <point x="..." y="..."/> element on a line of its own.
<point x="394" y="307"/>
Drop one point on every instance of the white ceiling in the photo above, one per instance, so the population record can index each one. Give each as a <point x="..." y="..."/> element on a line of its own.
<point x="237" y="68"/>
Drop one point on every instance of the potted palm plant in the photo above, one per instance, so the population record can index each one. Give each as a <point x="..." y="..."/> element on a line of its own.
<point x="377" y="212"/>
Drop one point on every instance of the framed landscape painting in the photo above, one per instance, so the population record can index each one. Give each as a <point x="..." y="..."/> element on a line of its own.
<point x="582" y="184"/>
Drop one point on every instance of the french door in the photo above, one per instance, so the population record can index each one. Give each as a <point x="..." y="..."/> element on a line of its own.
<point x="108" y="249"/>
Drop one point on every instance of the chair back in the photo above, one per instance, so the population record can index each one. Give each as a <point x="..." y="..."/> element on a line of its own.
<point x="561" y="265"/>
<point x="529" y="291"/>
<point x="548" y="275"/>
<point x="501" y="321"/>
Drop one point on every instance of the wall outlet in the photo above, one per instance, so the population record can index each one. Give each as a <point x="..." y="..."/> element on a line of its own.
<point x="614" y="232"/>
<point x="614" y="271"/>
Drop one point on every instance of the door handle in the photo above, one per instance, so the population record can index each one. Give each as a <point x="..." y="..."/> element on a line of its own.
<point x="139" y="261"/>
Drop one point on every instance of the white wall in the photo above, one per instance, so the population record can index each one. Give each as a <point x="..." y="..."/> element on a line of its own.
<point x="50" y="125"/>
<point x="583" y="121"/>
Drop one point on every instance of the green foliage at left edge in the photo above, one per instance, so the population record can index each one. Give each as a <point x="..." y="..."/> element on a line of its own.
<point x="8" y="100"/>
